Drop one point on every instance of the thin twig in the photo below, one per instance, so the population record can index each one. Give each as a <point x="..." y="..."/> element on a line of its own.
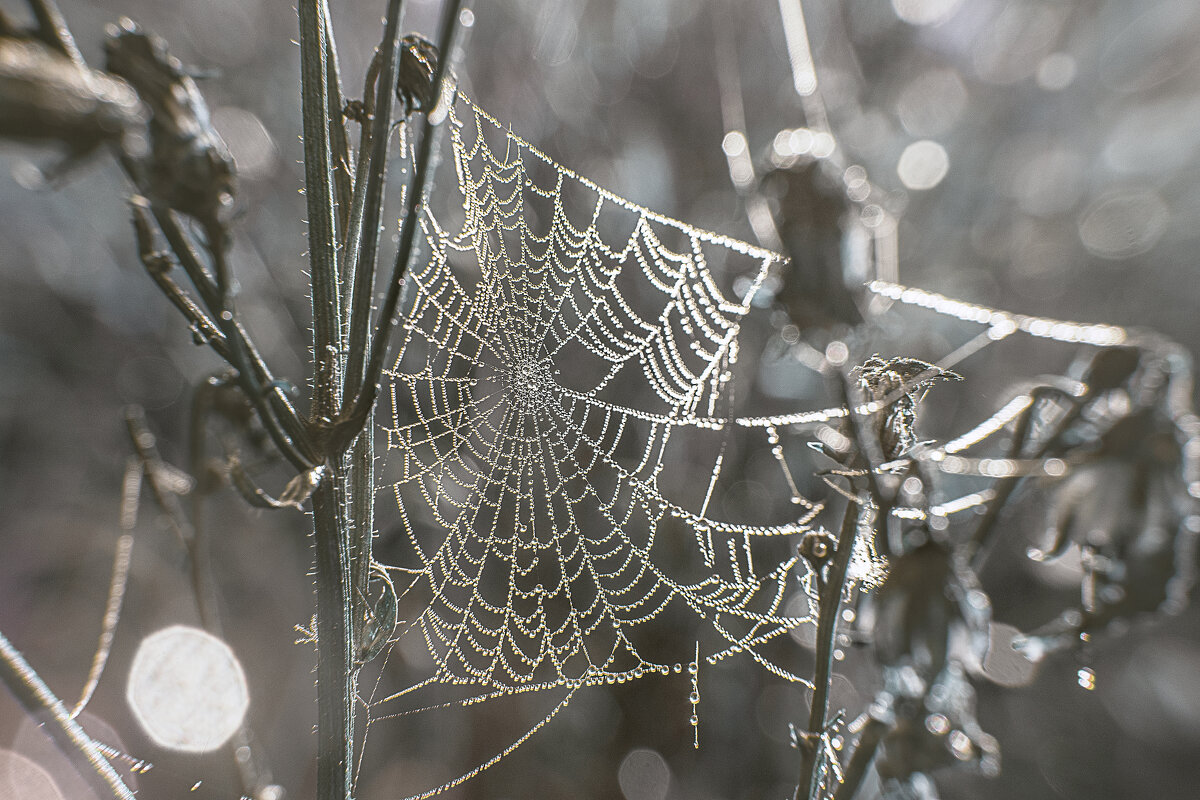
<point x="352" y="422"/>
<point x="52" y="27"/>
<point x="861" y="758"/>
<point x="278" y="415"/>
<point x="36" y="698"/>
<point x="343" y="180"/>
<point x="978" y="547"/>
<point x="827" y="624"/>
<point x="363" y="237"/>
<point x="361" y="256"/>
<point x="196" y="545"/>
<point x="159" y="265"/>
<point x="131" y="487"/>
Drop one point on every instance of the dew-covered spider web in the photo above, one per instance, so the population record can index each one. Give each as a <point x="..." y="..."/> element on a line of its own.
<point x="567" y="367"/>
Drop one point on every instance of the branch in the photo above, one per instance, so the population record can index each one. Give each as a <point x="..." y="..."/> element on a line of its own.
<point x="362" y="239"/>
<point x="275" y="408"/>
<point x="37" y="699"/>
<point x="318" y="188"/>
<point x="351" y="423"/>
<point x="52" y="27"/>
<point x="977" y="547"/>
<point x="343" y="181"/>
<point x="827" y="623"/>
<point x="860" y="760"/>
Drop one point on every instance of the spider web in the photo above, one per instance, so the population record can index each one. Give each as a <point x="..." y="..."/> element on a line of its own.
<point x="513" y="420"/>
<point x="566" y="355"/>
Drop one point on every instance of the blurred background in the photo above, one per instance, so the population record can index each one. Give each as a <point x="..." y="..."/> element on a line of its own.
<point x="1042" y="156"/>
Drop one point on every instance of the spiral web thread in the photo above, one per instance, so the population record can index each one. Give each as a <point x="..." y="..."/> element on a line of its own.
<point x="545" y="380"/>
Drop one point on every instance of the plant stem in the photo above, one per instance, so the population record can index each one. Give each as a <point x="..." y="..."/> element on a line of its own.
<point x="860" y="760"/>
<point x="36" y="698"/>
<point x="362" y="239"/>
<point x="352" y="421"/>
<point x="977" y="547"/>
<point x="335" y="681"/>
<point x="318" y="187"/>
<point x="827" y="623"/>
<point x="343" y="180"/>
<point x="335" y="634"/>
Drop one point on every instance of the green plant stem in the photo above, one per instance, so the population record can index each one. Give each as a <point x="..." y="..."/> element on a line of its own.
<point x="827" y="623"/>
<point x="36" y="698"/>
<point x="361" y="255"/>
<point x="343" y="180"/>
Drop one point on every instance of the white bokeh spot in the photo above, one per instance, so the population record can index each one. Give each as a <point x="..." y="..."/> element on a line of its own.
<point x="922" y="165"/>
<point x="925" y="12"/>
<point x="187" y="689"/>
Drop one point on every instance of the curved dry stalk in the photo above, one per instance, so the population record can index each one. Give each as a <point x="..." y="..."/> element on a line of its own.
<point x="36" y="698"/>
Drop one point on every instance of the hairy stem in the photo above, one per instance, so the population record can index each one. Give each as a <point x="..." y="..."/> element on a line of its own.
<point x="335" y="682"/>
<point x="318" y="187"/>
<point x="335" y="678"/>
<point x="36" y="698"/>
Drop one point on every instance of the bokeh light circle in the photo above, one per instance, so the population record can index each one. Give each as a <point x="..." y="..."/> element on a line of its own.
<point x="922" y="165"/>
<point x="187" y="689"/>
<point x="644" y="775"/>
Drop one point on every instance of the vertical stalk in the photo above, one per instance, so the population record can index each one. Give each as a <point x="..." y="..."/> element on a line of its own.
<point x="365" y="401"/>
<point x="335" y="689"/>
<point x="318" y="187"/>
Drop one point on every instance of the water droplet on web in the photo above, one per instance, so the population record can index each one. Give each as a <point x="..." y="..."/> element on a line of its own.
<point x="1087" y="678"/>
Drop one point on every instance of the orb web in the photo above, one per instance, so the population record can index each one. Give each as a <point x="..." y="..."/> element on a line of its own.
<point x="565" y="357"/>
<point x="543" y="374"/>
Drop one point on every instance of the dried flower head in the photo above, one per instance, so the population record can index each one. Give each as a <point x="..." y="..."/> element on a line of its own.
<point x="898" y="385"/>
<point x="418" y="63"/>
<point x="189" y="168"/>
